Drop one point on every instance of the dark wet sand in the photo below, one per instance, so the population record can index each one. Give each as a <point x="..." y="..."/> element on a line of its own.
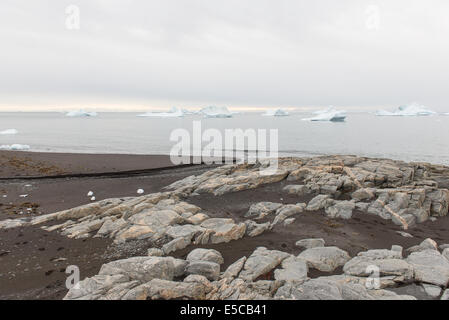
<point x="28" y="269"/>
<point x="36" y="164"/>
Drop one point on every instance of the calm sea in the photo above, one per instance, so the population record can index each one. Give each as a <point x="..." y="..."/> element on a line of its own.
<point x="403" y="138"/>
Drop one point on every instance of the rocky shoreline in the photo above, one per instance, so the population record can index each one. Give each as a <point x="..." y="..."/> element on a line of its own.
<point x="337" y="187"/>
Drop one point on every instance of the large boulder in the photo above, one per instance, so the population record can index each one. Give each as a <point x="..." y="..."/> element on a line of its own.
<point x="261" y="262"/>
<point x="210" y="270"/>
<point x="325" y="259"/>
<point x="210" y="255"/>
<point x="430" y="267"/>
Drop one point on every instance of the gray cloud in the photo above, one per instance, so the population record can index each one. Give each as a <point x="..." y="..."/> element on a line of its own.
<point x="235" y="53"/>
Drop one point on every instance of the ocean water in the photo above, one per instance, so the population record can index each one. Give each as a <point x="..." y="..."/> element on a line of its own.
<point x="402" y="138"/>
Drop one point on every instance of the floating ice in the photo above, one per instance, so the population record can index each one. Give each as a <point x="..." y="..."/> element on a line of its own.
<point x="330" y="109"/>
<point x="216" y="112"/>
<point x="275" y="113"/>
<point x="23" y="196"/>
<point x="15" y="147"/>
<point x="81" y="113"/>
<point x="90" y="193"/>
<point x="92" y="199"/>
<point x="173" y="113"/>
<point x="410" y="110"/>
<point x="9" y="131"/>
<point x="188" y="112"/>
<point x="140" y="191"/>
<point x="330" y="114"/>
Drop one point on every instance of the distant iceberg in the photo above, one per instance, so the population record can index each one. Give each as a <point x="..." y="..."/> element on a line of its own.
<point x="9" y="131"/>
<point x="15" y="147"/>
<point x="173" y="113"/>
<point x="410" y="110"/>
<point x="81" y="113"/>
<point x="328" y="110"/>
<point x="188" y="112"/>
<point x="330" y="114"/>
<point x="216" y="112"/>
<point x="275" y="113"/>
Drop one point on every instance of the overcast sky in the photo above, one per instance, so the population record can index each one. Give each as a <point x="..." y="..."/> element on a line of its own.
<point x="236" y="53"/>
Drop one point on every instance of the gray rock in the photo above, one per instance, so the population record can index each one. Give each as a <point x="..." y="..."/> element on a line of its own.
<point x="254" y="229"/>
<point x="363" y="194"/>
<point x="175" y="245"/>
<point x="293" y="269"/>
<point x="261" y="262"/>
<point x="321" y="201"/>
<point x="365" y="266"/>
<point x="224" y="230"/>
<point x="155" y="252"/>
<point x="445" y="295"/>
<point x="288" y="222"/>
<point x="262" y="209"/>
<point x="287" y="211"/>
<point x="159" y="289"/>
<point x="141" y="268"/>
<point x="398" y="249"/>
<point x="296" y="189"/>
<point x="314" y="289"/>
<point x="310" y="243"/>
<point x="341" y="209"/>
<point x="210" y="255"/>
<point x="234" y="269"/>
<point x="210" y="270"/>
<point x="376" y="254"/>
<point x="445" y="253"/>
<point x="325" y="259"/>
<point x="430" y="267"/>
<point x="404" y="234"/>
<point x="431" y="290"/>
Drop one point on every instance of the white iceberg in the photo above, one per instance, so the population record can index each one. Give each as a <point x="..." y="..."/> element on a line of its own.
<point x="15" y="147"/>
<point x="330" y="114"/>
<point x="216" y="112"/>
<point x="275" y="113"/>
<point x="328" y="110"/>
<point x="80" y="113"/>
<point x="188" y="112"/>
<point x="9" y="131"/>
<point x="410" y="110"/>
<point x="173" y="113"/>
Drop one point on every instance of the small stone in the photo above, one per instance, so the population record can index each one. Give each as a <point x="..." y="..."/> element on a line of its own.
<point x="404" y="234"/>
<point x="310" y="243"/>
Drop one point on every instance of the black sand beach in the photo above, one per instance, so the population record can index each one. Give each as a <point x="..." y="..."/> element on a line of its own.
<point x="33" y="261"/>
